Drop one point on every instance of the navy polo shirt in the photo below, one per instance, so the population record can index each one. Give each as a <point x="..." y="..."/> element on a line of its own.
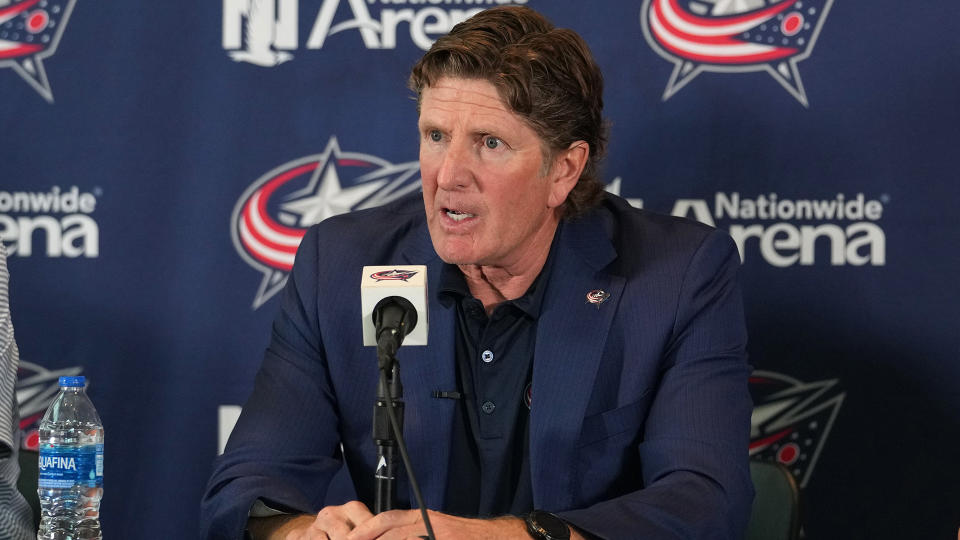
<point x="489" y="469"/>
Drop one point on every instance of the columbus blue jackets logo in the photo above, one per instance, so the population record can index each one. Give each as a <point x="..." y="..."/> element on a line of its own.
<point x="597" y="297"/>
<point x="273" y="214"/>
<point x="734" y="36"/>
<point x="393" y="275"/>
<point x="30" y="31"/>
<point x="36" y="388"/>
<point x="791" y="420"/>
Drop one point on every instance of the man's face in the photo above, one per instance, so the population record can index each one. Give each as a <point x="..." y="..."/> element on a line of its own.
<point x="486" y="198"/>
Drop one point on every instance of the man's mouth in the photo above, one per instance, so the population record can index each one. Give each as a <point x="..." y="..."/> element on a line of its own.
<point x="457" y="215"/>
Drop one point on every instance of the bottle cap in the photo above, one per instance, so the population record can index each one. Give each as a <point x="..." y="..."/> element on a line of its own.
<point x="73" y="382"/>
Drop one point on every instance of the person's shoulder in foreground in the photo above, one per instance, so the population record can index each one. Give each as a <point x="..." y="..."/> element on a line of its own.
<point x="16" y="522"/>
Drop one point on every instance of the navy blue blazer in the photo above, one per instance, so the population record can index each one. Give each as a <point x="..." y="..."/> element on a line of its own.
<point x="640" y="419"/>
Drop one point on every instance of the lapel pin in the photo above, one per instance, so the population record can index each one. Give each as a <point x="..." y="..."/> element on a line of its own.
<point x="597" y="297"/>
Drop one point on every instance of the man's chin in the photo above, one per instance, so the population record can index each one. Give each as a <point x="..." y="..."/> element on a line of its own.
<point x="458" y="257"/>
<point x="452" y="250"/>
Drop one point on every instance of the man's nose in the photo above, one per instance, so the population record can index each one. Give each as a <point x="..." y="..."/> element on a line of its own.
<point x="456" y="168"/>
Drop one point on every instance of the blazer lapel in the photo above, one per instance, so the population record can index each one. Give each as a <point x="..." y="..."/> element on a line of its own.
<point x="571" y="334"/>
<point x="423" y="370"/>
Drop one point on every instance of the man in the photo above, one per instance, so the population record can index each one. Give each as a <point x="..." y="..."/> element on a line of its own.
<point x="16" y="521"/>
<point x="594" y="352"/>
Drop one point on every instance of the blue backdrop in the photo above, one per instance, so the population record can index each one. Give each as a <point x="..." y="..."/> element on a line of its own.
<point x="161" y="159"/>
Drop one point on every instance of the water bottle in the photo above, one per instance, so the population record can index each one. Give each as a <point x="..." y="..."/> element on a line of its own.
<point x="71" y="466"/>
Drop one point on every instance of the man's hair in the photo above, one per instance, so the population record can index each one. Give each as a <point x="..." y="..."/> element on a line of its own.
<point x="545" y="74"/>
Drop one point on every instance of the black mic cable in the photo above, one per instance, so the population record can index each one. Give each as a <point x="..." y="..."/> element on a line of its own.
<point x="406" y="458"/>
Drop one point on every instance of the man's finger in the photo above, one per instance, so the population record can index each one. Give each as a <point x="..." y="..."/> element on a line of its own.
<point x="356" y="513"/>
<point x="333" y="521"/>
<point x="406" y="532"/>
<point x="378" y="525"/>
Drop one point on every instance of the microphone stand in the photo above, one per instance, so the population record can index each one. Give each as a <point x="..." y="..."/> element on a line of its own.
<point x="389" y="394"/>
<point x="389" y="436"/>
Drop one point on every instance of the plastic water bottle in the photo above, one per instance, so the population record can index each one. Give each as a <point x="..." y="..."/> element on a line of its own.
<point x="71" y="466"/>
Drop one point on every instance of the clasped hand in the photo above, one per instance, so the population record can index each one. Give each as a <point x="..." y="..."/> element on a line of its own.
<point x="354" y="521"/>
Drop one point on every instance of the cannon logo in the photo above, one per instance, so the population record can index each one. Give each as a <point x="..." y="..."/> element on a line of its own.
<point x="273" y="214"/>
<point x="30" y="31"/>
<point x="791" y="420"/>
<point x="734" y="36"/>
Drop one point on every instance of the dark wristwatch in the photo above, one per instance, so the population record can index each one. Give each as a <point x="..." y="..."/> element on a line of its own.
<point x="546" y="526"/>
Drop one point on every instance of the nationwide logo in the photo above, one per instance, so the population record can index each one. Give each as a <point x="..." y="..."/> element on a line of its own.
<point x="36" y="389"/>
<point x="267" y="32"/>
<point x="273" y="214"/>
<point x="787" y="232"/>
<point x="734" y="36"/>
<point x="797" y="231"/>
<point x="791" y="420"/>
<point x="61" y="215"/>
<point x="30" y="31"/>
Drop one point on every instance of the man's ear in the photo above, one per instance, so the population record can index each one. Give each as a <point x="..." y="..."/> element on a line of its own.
<point x="567" y="166"/>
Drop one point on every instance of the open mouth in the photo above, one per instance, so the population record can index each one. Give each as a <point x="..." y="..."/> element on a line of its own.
<point x="457" y="215"/>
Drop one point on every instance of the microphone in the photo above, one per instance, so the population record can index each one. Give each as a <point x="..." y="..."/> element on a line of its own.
<point x="394" y="306"/>
<point x="393" y="318"/>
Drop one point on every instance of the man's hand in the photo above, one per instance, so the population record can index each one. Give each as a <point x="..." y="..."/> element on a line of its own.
<point x="354" y="521"/>
<point x="408" y="524"/>
<point x="333" y="523"/>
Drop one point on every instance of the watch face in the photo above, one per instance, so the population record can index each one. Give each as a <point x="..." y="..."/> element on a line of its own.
<point x="548" y="526"/>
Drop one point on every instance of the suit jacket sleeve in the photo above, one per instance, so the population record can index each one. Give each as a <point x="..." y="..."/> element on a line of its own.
<point x="694" y="446"/>
<point x="285" y="446"/>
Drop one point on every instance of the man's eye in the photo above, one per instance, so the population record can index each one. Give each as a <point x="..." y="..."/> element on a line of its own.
<point x="492" y="143"/>
<point x="435" y="135"/>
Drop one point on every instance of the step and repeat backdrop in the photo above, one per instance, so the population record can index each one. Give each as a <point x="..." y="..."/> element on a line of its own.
<point x="161" y="160"/>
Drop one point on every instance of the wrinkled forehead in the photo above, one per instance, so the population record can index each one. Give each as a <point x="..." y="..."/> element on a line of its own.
<point x="475" y="85"/>
<point x="476" y="96"/>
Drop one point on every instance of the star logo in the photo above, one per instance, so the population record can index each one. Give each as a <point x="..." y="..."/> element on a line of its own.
<point x="274" y="212"/>
<point x="36" y="388"/>
<point x="326" y="197"/>
<point x="734" y="36"/>
<point x="791" y="420"/>
<point x="30" y="31"/>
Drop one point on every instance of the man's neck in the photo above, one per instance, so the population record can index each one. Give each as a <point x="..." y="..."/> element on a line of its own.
<point x="493" y="285"/>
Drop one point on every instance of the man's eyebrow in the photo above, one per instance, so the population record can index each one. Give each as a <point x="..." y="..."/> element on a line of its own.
<point x="424" y="125"/>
